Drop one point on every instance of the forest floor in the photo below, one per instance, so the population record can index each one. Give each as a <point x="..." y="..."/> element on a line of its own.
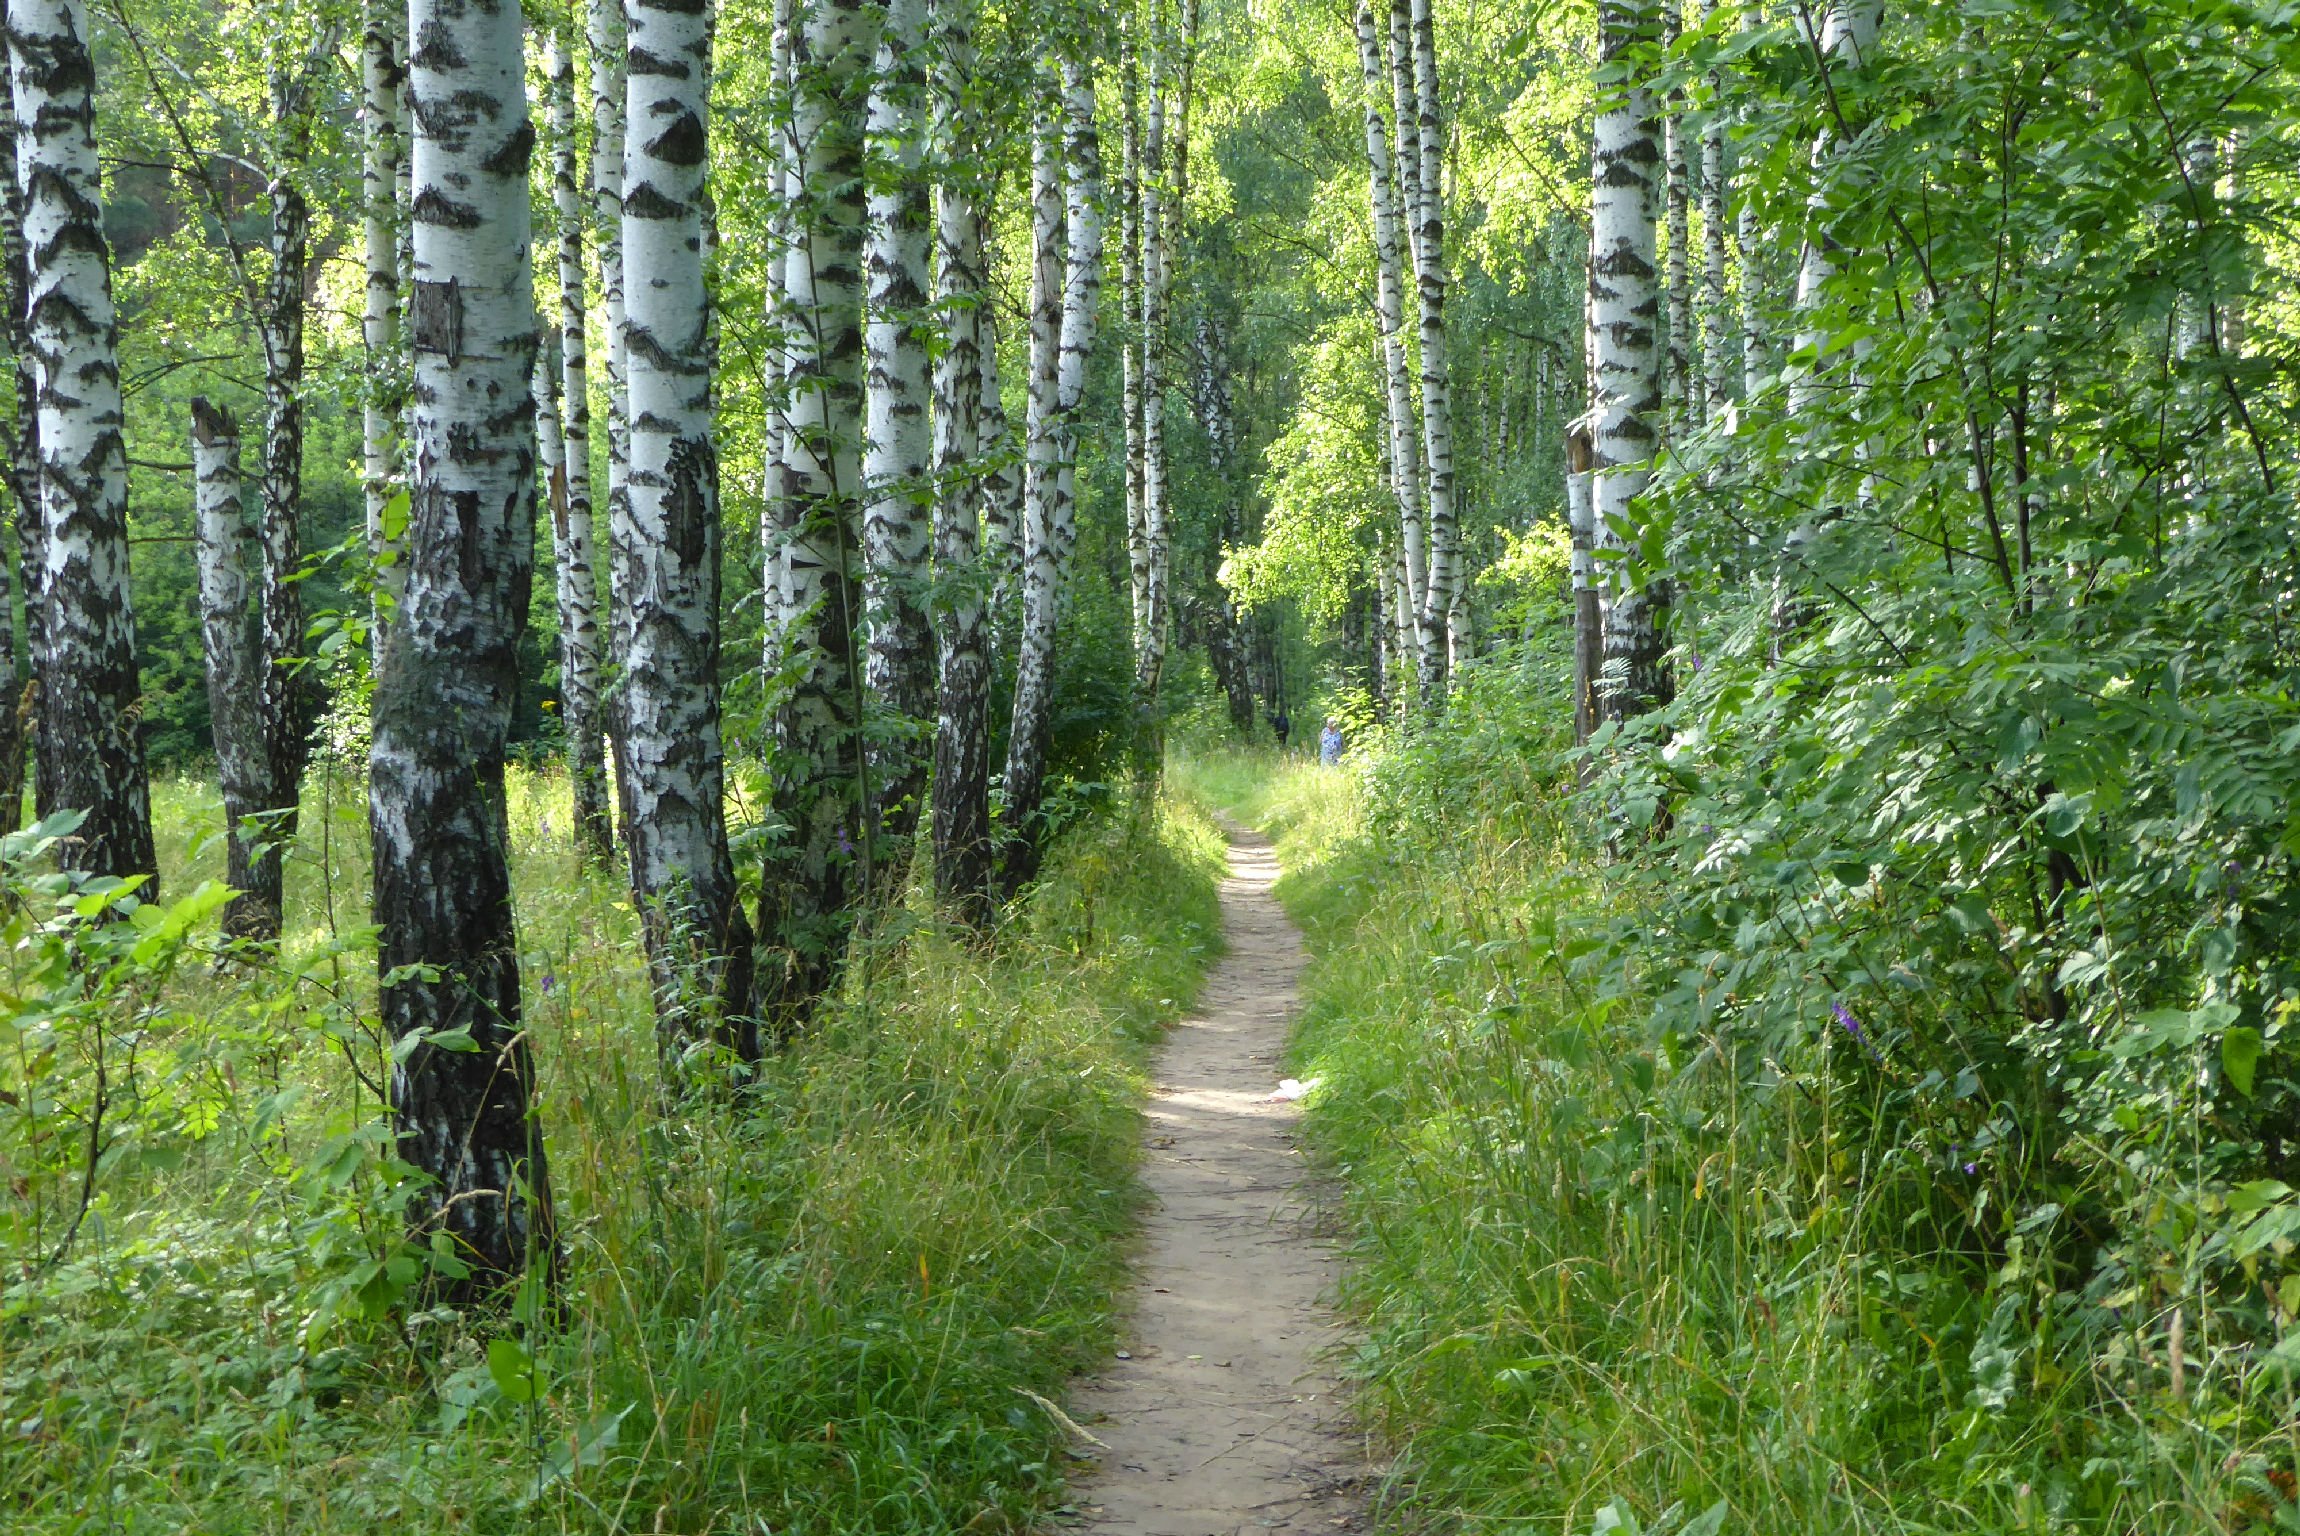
<point x="1222" y="1414"/>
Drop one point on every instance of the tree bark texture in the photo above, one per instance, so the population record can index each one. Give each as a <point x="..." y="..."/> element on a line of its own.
<point x="1129" y="307"/>
<point x="605" y="39"/>
<point x="450" y="953"/>
<point x="897" y="441"/>
<point x="1678" y="368"/>
<point x="1720" y="335"/>
<point x="1406" y="163"/>
<point x="20" y="466"/>
<point x="228" y="646"/>
<point x="1444" y="616"/>
<point x="573" y="532"/>
<point x="962" y="846"/>
<point x="383" y="406"/>
<point x="1042" y="566"/>
<point x="1157" y="539"/>
<point x="1625" y="358"/>
<point x="671" y="771"/>
<point x="91" y="758"/>
<point x="816" y="876"/>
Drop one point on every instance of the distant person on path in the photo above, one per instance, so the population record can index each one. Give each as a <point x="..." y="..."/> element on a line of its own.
<point x="1330" y="743"/>
<point x="1281" y="725"/>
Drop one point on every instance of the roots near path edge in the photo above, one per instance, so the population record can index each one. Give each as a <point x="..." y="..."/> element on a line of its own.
<point x="1226" y="1417"/>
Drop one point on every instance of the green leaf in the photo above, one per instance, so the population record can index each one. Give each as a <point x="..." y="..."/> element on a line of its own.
<point x="513" y="1369"/>
<point x="1707" y="1523"/>
<point x="2240" y="1057"/>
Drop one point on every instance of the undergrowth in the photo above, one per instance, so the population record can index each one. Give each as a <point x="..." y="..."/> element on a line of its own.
<point x="1614" y="1272"/>
<point x="825" y="1311"/>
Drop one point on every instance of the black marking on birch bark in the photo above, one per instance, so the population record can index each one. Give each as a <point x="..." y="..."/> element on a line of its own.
<point x="515" y="154"/>
<point x="643" y="62"/>
<point x="644" y="202"/>
<point x="435" y="49"/>
<point x="435" y="318"/>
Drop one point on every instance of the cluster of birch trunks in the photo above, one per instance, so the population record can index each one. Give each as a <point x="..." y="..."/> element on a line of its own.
<point x="909" y="532"/>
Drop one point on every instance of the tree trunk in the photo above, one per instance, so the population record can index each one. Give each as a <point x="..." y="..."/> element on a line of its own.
<point x="1042" y="566"/>
<point x="1625" y="362"/>
<point x="1588" y="613"/>
<point x="1720" y="336"/>
<point x="1405" y="121"/>
<point x="671" y="769"/>
<point x="1749" y="243"/>
<point x="19" y="463"/>
<point x="287" y="701"/>
<point x="1002" y="473"/>
<point x="91" y="759"/>
<point x="233" y="660"/>
<point x="1389" y="312"/>
<point x="812" y="882"/>
<point x="1678" y="379"/>
<point x="962" y="846"/>
<point x="1130" y="190"/>
<point x="383" y="149"/>
<point x="1444" y="617"/>
<point x="1157" y="541"/>
<point x="450" y="953"/>
<point x="774" y="383"/>
<point x="897" y="441"/>
<point x="1223" y="652"/>
<point x="572" y="530"/>
<point x="606" y="40"/>
<point x="1082" y="285"/>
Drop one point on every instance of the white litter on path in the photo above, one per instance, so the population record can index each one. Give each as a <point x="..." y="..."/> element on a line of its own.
<point x="1289" y="1090"/>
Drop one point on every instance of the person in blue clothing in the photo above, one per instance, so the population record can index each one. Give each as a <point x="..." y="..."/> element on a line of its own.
<point x="1330" y="742"/>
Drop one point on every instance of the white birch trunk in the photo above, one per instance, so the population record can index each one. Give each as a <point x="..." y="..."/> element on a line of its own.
<point x="20" y="467"/>
<point x="1025" y="779"/>
<point x="814" y="878"/>
<point x="1081" y="289"/>
<point x="1678" y="378"/>
<point x="1444" y="618"/>
<point x="962" y="846"/>
<point x="605" y="39"/>
<point x="1720" y="335"/>
<point x="1625" y="360"/>
<point x="1002" y="471"/>
<point x="774" y="383"/>
<point x="573" y="532"/>
<point x="1130" y="309"/>
<point x="91" y="759"/>
<point x="1157" y="543"/>
<point x="383" y="406"/>
<point x="1406" y="159"/>
<point x="450" y="952"/>
<point x="671" y="771"/>
<point x="897" y="439"/>
<point x="229" y="653"/>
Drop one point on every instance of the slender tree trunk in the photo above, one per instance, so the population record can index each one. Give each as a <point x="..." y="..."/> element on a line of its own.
<point x="1130" y="191"/>
<point x="1677" y="385"/>
<point x="1150" y="652"/>
<point x="774" y="450"/>
<point x="1405" y="121"/>
<point x="605" y="40"/>
<point x="1042" y="567"/>
<point x="450" y="953"/>
<point x="1002" y="473"/>
<point x="813" y="880"/>
<point x="286" y="702"/>
<point x="91" y="759"/>
<point x="1223" y="650"/>
<point x="20" y="465"/>
<point x="671" y="769"/>
<point x="1082" y="198"/>
<point x="962" y="846"/>
<point x="1444" y="616"/>
<point x="233" y="660"/>
<point x="383" y="405"/>
<point x="897" y="440"/>
<point x="1588" y="612"/>
<point x="1389" y="308"/>
<point x="1749" y="243"/>
<point x="1625" y="362"/>
<point x="572" y="530"/>
<point x="1720" y="336"/>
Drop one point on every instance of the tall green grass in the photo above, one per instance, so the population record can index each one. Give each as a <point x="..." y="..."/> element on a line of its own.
<point x="1607" y="1283"/>
<point x="822" y="1312"/>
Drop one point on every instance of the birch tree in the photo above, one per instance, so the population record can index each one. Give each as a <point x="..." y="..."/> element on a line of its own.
<point x="449" y="952"/>
<point x="671" y="769"/>
<point x="1720" y="336"/>
<point x="1041" y="549"/>
<point x="962" y="845"/>
<point x="1157" y="541"/>
<point x="813" y="878"/>
<point x="897" y="437"/>
<point x="1445" y="618"/>
<point x="1624" y="358"/>
<point x="90" y="757"/>
<point x="383" y="149"/>
<point x="1406" y="161"/>
<point x="232" y="660"/>
<point x="1130" y="308"/>
<point x="605" y="43"/>
<point x="1678" y="364"/>
<point x="572" y="527"/>
<point x="20" y="467"/>
<point x="1405" y="467"/>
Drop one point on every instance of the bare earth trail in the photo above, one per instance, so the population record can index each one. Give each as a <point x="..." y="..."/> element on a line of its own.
<point x="1225" y="1418"/>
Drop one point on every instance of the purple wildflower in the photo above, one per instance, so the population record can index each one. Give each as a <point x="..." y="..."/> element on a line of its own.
<point x="1844" y="1016"/>
<point x="549" y="981"/>
<point x="1971" y="1168"/>
<point x="845" y="847"/>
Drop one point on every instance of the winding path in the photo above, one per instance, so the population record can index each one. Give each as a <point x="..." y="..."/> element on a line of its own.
<point x="1222" y="1417"/>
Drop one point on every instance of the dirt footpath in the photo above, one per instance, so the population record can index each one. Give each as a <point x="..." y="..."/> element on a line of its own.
<point x="1225" y="1418"/>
